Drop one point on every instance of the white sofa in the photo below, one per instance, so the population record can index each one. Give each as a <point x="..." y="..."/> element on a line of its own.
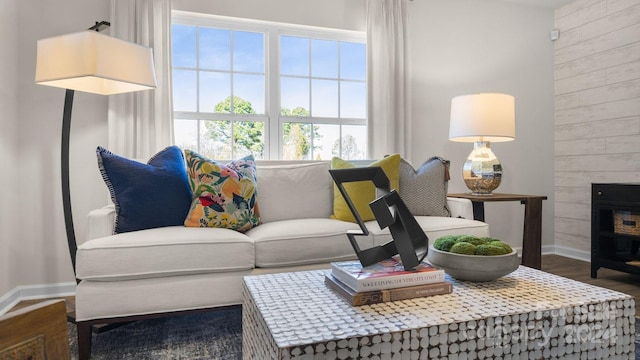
<point x="175" y="269"/>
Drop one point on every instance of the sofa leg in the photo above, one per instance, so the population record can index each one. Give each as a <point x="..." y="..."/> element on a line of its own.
<point x="84" y="340"/>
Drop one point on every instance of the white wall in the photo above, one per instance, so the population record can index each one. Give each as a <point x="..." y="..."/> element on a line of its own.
<point x="597" y="71"/>
<point x="39" y="252"/>
<point x="8" y="141"/>
<point x="467" y="46"/>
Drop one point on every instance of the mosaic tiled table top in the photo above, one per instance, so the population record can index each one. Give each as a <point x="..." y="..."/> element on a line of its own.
<point x="298" y="309"/>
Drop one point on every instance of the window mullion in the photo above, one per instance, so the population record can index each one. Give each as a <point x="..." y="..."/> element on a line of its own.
<point x="198" y="145"/>
<point x="323" y="120"/>
<point x="310" y="79"/>
<point x="339" y="84"/>
<point x="272" y="78"/>
<point x="198" y="122"/>
<point x="231" y="100"/>
<point x="339" y="101"/>
<point x="198" y="69"/>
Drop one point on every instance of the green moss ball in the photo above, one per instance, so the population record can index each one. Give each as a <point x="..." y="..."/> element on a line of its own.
<point x="489" y="239"/>
<point x="490" y="249"/>
<point x="474" y="240"/>
<point x="505" y="246"/>
<point x="463" y="248"/>
<point x="472" y="245"/>
<point x="444" y="243"/>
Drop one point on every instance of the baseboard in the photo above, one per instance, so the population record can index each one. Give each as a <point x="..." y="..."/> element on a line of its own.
<point x="545" y="250"/>
<point x="548" y="250"/>
<point x="561" y="251"/>
<point x="572" y="253"/>
<point x="31" y="292"/>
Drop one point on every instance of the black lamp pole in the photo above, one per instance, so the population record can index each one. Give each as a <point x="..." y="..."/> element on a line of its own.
<point x="64" y="166"/>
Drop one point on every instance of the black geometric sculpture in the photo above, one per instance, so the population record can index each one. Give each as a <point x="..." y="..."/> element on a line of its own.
<point x="409" y="240"/>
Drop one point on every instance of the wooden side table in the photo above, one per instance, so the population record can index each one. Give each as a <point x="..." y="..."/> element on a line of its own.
<point x="532" y="237"/>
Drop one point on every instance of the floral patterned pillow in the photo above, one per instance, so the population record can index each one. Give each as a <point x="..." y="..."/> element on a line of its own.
<point x="224" y="196"/>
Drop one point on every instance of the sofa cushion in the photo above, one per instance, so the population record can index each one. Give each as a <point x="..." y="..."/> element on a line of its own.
<point x="424" y="190"/>
<point x="362" y="193"/>
<point x="168" y="251"/>
<point x="303" y="241"/>
<point x="434" y="227"/>
<point x="146" y="195"/>
<point x="108" y="299"/>
<point x="294" y="191"/>
<point x="224" y="196"/>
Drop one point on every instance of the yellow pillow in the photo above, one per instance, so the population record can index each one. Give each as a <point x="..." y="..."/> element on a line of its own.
<point x="362" y="192"/>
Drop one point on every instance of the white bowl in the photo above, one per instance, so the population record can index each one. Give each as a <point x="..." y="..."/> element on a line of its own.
<point x="474" y="267"/>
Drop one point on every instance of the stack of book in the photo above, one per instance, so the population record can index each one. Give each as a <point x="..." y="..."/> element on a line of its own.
<point x="385" y="281"/>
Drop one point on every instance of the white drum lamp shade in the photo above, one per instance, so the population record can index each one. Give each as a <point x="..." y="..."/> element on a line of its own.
<point x="482" y="119"/>
<point x="91" y="62"/>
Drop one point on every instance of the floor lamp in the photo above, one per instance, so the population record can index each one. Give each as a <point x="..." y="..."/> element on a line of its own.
<point x="90" y="62"/>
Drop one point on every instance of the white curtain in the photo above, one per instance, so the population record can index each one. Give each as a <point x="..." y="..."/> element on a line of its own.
<point x="141" y="123"/>
<point x="389" y="102"/>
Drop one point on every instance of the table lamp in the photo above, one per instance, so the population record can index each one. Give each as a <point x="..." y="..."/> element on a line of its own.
<point x="90" y="62"/>
<point x="482" y="119"/>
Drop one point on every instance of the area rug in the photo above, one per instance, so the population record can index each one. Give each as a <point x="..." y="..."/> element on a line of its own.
<point x="211" y="335"/>
<point x="215" y="335"/>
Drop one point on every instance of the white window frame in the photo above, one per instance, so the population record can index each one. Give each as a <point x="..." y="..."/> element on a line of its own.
<point x="272" y="31"/>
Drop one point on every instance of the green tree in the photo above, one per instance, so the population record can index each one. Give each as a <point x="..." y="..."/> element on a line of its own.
<point x="247" y="135"/>
<point x="299" y="111"/>
<point x="350" y="149"/>
<point x="240" y="106"/>
<point x="296" y="143"/>
<point x="297" y="136"/>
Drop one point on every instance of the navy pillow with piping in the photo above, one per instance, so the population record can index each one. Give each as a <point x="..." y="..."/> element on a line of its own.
<point x="146" y="196"/>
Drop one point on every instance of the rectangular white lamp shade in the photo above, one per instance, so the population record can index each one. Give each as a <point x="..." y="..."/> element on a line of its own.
<point x="91" y="62"/>
<point x="482" y="117"/>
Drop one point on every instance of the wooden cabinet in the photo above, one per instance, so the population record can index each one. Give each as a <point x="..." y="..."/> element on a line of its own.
<point x="615" y="227"/>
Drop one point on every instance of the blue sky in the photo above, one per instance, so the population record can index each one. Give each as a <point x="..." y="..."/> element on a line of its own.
<point x="328" y="60"/>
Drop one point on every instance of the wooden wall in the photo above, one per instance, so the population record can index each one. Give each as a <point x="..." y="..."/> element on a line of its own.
<point x="597" y="110"/>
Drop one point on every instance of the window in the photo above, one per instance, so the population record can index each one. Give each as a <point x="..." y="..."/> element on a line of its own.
<point x="276" y="91"/>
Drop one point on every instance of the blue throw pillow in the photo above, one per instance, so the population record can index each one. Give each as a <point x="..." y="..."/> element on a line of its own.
<point x="148" y="195"/>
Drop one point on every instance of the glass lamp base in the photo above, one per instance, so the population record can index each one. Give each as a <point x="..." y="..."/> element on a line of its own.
<point x="482" y="171"/>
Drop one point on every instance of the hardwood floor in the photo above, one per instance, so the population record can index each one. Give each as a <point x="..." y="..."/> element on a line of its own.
<point x="581" y="271"/>
<point x="558" y="265"/>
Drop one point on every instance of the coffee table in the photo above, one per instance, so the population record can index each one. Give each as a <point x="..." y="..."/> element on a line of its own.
<point x="528" y="314"/>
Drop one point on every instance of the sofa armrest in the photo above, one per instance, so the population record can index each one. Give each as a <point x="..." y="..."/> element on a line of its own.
<point x="462" y="208"/>
<point x="101" y="222"/>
